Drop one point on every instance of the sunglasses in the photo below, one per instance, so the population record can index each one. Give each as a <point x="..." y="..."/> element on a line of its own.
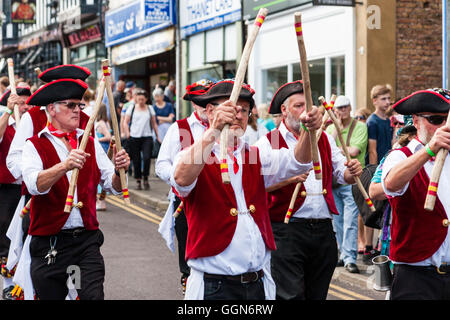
<point x="72" y="105"/>
<point x="434" y="119"/>
<point x="360" y="118"/>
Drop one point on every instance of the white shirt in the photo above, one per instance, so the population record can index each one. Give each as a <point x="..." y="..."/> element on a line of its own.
<point x="394" y="158"/>
<point x="251" y="135"/>
<point x="315" y="205"/>
<point x="171" y="146"/>
<point x="32" y="165"/>
<point x="246" y="251"/>
<point x="140" y="123"/>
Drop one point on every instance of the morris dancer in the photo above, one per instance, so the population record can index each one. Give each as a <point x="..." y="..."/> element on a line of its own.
<point x="179" y="136"/>
<point x="59" y="240"/>
<point x="306" y="255"/>
<point x="229" y="238"/>
<point x="420" y="240"/>
<point x="10" y="187"/>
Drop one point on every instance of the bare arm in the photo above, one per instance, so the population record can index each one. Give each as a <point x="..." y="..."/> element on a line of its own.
<point x="373" y="155"/>
<point x="376" y="191"/>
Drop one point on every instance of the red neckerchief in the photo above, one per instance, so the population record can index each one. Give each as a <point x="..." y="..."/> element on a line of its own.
<point x="432" y="158"/>
<point x="294" y="134"/>
<point x="70" y="136"/>
<point x="235" y="162"/>
<point x="204" y="123"/>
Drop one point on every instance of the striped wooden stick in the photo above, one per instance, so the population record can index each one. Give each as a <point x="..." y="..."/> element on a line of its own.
<point x="178" y="211"/>
<point x="12" y="84"/>
<point x="240" y="74"/>
<point x="307" y="90"/>
<point x="291" y="204"/>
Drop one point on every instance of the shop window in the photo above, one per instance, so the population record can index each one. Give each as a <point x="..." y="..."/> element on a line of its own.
<point x="196" y="50"/>
<point x="316" y="77"/>
<point x="214" y="53"/>
<point x="272" y="80"/>
<point x="338" y="75"/>
<point x="213" y="74"/>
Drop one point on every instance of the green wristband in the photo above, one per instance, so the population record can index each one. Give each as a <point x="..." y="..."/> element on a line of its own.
<point x="10" y="112"/>
<point x="304" y="128"/>
<point x="431" y="153"/>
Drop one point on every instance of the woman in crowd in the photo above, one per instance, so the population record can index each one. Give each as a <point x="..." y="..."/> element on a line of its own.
<point x="103" y="132"/>
<point x="254" y="129"/>
<point x="165" y="113"/>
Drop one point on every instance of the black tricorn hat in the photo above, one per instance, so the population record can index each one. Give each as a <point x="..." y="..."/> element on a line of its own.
<point x="58" y="90"/>
<point x="431" y="100"/>
<point x="21" y="91"/>
<point x="222" y="89"/>
<point x="285" y="91"/>
<point x="65" y="71"/>
<point x="196" y="89"/>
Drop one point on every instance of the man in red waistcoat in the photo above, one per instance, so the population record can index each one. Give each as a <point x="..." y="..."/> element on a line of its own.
<point x="306" y="255"/>
<point x="230" y="240"/>
<point x="420" y="239"/>
<point x="60" y="240"/>
<point x="179" y="136"/>
<point x="9" y="186"/>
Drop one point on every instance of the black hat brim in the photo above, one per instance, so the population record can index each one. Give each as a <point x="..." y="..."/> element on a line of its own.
<point x="284" y="92"/>
<point x="21" y="91"/>
<point x="66" y="71"/>
<point x="223" y="89"/>
<point x="422" y="101"/>
<point x="58" y="90"/>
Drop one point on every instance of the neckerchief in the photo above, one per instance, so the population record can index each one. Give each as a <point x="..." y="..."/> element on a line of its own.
<point x="70" y="136"/>
<point x="204" y="123"/>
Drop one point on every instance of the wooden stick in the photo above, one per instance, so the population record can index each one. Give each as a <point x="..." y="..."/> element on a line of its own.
<point x="12" y="84"/>
<point x="307" y="90"/>
<point x="25" y="209"/>
<point x="178" y="211"/>
<point x="430" y="200"/>
<point x="84" y="140"/>
<point x="346" y="153"/>
<point x="115" y="125"/>
<point x="240" y="74"/>
<point x="325" y="117"/>
<point x="291" y="204"/>
<point x="102" y="195"/>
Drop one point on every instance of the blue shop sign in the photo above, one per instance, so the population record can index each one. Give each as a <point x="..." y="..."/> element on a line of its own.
<point x="128" y="22"/>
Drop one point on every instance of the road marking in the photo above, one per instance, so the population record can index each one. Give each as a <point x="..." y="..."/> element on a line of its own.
<point x="135" y="212"/>
<point x="350" y="293"/>
<point x="135" y="207"/>
<point x="339" y="295"/>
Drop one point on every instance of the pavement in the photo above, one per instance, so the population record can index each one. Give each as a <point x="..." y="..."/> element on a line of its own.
<point x="156" y="198"/>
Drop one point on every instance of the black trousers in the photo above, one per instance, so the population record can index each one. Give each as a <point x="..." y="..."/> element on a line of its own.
<point x="138" y="145"/>
<point x="218" y="289"/>
<point x="419" y="283"/>
<point x="181" y="229"/>
<point x="75" y="252"/>
<point x="9" y="199"/>
<point x="305" y="259"/>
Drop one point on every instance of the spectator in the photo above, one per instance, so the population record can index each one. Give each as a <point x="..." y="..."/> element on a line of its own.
<point x="4" y="84"/>
<point x="380" y="135"/>
<point x="277" y="118"/>
<point x="254" y="129"/>
<point x="264" y="117"/>
<point x="362" y="114"/>
<point x="89" y="101"/>
<point x="345" y="224"/>
<point x="165" y="114"/>
<point x="119" y="97"/>
<point x="103" y="132"/>
<point x="169" y="92"/>
<point x="139" y="122"/>
<point x="130" y="85"/>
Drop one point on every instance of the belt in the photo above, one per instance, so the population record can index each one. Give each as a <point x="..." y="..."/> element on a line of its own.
<point x="242" y="278"/>
<point x="309" y="220"/>
<point x="73" y="232"/>
<point x="443" y="269"/>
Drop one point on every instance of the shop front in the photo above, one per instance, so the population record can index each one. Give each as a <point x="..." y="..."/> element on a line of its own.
<point x="329" y="34"/>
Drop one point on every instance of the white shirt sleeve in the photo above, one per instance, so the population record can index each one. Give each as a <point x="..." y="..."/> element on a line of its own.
<point x="338" y="160"/>
<point x="23" y="132"/>
<point x="182" y="190"/>
<point x="278" y="165"/>
<point x="394" y="158"/>
<point x="167" y="152"/>
<point x="31" y="164"/>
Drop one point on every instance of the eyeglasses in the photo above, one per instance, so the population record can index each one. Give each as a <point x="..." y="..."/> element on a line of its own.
<point x="72" y="105"/>
<point x="360" y="118"/>
<point x="434" y="119"/>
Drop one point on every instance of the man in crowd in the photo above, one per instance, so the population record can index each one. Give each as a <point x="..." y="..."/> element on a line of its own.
<point x="229" y="238"/>
<point x="306" y="255"/>
<point x="60" y="239"/>
<point x="420" y="240"/>
<point x="345" y="224"/>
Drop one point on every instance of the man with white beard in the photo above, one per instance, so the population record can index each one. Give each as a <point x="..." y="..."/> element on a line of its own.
<point x="420" y="240"/>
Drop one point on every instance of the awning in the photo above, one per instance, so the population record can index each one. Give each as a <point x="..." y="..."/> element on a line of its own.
<point x="27" y="57"/>
<point x="35" y="55"/>
<point x="149" y="45"/>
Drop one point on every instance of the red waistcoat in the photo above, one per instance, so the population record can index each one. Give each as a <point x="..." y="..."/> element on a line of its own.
<point x="416" y="234"/>
<point x="209" y="206"/>
<point x="47" y="211"/>
<point x="279" y="199"/>
<point x="5" y="176"/>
